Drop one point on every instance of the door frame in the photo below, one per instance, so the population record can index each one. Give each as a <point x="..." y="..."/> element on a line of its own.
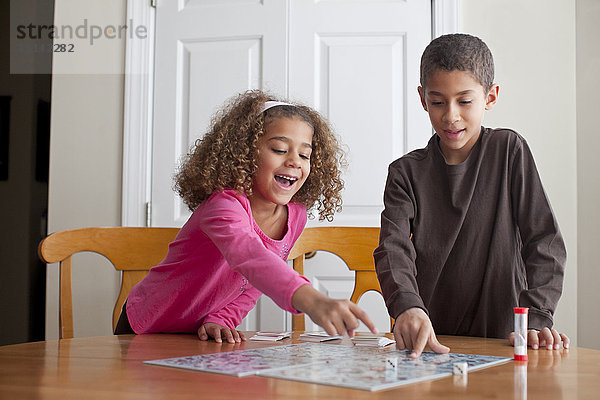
<point x="138" y="104"/>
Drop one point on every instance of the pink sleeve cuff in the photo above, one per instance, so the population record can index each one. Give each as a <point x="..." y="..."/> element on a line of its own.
<point x="218" y="321"/>
<point x="301" y="281"/>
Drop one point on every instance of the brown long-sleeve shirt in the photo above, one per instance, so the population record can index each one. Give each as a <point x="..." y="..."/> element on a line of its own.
<point x="484" y="238"/>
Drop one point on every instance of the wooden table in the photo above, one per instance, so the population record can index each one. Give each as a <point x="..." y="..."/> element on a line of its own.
<point x="111" y="368"/>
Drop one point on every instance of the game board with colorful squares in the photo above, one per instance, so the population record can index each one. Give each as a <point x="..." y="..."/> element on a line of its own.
<point x="333" y="364"/>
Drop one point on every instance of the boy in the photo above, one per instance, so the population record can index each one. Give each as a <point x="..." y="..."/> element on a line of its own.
<point x="467" y="232"/>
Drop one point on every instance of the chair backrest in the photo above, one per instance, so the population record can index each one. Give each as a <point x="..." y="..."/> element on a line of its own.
<point x="354" y="245"/>
<point x="133" y="251"/>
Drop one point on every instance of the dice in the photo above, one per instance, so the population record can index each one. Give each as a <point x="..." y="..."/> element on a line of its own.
<point x="391" y="363"/>
<point x="460" y="368"/>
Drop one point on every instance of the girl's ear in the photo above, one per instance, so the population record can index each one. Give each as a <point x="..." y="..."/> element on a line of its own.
<point x="492" y="97"/>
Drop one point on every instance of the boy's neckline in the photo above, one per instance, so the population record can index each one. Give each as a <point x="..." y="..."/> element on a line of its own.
<point x="467" y="160"/>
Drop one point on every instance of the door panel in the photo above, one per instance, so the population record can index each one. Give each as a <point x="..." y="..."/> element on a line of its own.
<point x="361" y="79"/>
<point x="200" y="63"/>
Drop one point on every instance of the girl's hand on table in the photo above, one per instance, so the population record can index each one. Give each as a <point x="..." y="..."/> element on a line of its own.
<point x="218" y="332"/>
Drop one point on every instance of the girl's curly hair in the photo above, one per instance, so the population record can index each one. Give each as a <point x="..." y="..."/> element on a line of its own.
<point x="225" y="158"/>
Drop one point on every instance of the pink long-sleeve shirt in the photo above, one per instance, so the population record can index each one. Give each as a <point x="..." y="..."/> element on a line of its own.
<point x="216" y="269"/>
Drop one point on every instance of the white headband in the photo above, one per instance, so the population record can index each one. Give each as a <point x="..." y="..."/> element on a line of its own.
<point x="270" y="104"/>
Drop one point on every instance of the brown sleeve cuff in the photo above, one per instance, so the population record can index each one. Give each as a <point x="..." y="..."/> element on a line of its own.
<point x="538" y="320"/>
<point x="402" y="301"/>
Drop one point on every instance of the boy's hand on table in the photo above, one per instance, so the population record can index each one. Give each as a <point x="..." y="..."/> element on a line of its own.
<point x="218" y="332"/>
<point x="413" y="330"/>
<point x="546" y="338"/>
<point x="336" y="317"/>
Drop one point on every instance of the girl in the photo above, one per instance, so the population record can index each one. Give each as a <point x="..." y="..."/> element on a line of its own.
<point x="248" y="181"/>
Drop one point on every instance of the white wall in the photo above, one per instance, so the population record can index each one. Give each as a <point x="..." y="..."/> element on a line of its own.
<point x="534" y="46"/>
<point x="85" y="167"/>
<point x="533" y="43"/>
<point x="588" y="166"/>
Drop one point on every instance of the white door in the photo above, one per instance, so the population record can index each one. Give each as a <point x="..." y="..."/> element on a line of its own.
<point x="358" y="63"/>
<point x="354" y="61"/>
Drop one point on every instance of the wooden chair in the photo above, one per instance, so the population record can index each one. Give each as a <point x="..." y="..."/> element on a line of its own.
<point x="133" y="251"/>
<point x="354" y="245"/>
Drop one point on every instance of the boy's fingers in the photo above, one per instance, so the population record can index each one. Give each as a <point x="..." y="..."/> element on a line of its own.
<point x="557" y="339"/>
<point x="533" y="339"/>
<point x="242" y="336"/>
<point x="361" y="315"/>
<point x="399" y="342"/>
<point x="565" y="340"/>
<point x="422" y="337"/>
<point x="236" y="336"/>
<point x="408" y="341"/>
<point x="546" y="338"/>
<point x="436" y="345"/>
<point x="511" y="338"/>
<point x="410" y="337"/>
<point x="401" y="336"/>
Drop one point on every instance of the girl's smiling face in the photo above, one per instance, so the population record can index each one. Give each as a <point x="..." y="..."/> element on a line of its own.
<point x="456" y="102"/>
<point x="283" y="159"/>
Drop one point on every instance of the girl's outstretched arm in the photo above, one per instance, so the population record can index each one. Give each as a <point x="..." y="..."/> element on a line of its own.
<point x="226" y="220"/>
<point x="337" y="317"/>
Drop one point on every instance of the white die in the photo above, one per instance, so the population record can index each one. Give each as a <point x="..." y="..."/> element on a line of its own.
<point x="460" y="368"/>
<point x="391" y="362"/>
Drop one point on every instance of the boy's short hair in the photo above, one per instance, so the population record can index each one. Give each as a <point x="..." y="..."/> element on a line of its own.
<point x="460" y="52"/>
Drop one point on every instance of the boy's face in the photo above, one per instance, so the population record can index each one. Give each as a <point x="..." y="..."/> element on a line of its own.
<point x="455" y="102"/>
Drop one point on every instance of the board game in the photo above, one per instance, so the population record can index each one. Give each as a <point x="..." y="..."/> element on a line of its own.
<point x="332" y="364"/>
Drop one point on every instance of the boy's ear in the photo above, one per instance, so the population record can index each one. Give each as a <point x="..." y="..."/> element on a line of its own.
<point x="492" y="97"/>
<point x="422" y="96"/>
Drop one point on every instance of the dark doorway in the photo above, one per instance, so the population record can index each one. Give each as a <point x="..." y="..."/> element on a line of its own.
<point x="24" y="160"/>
